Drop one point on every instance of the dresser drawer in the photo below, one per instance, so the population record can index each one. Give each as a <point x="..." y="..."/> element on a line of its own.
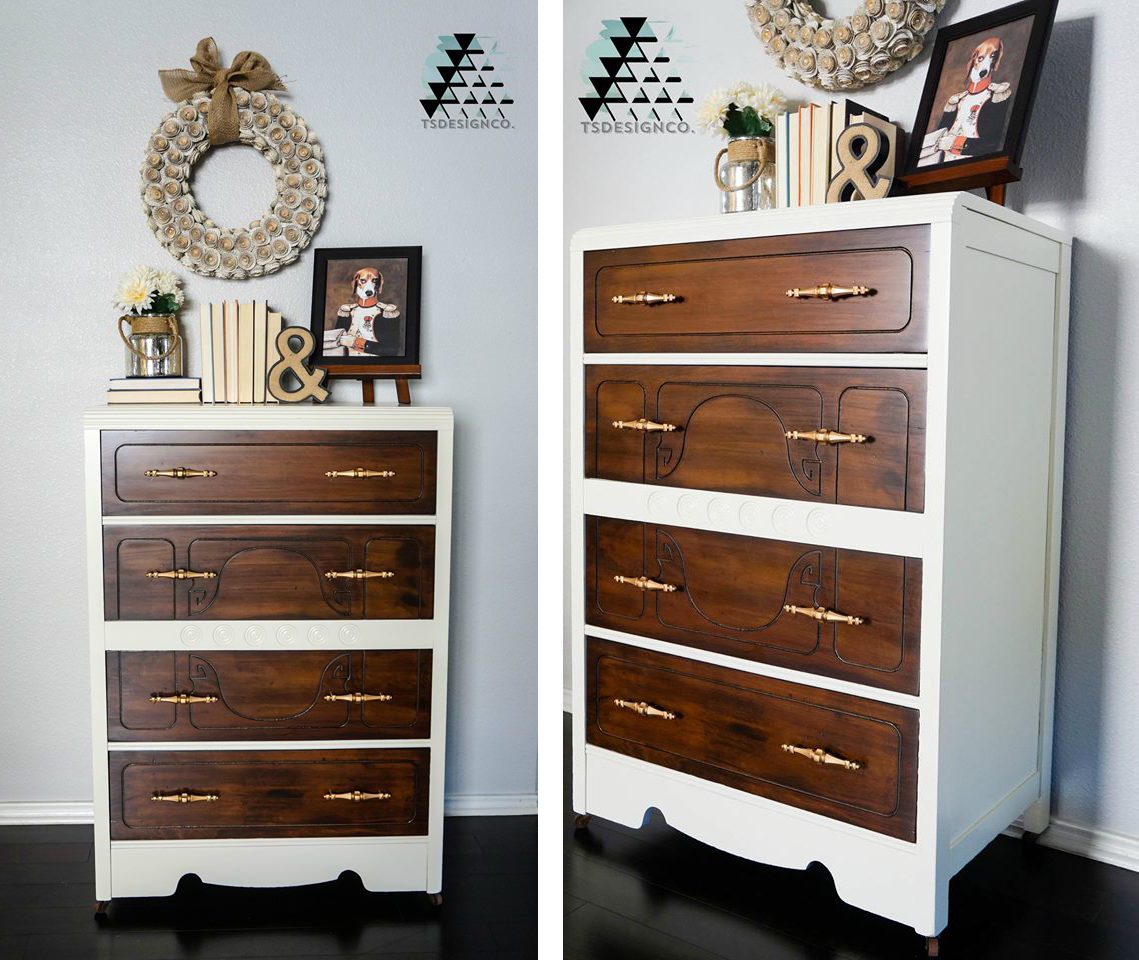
<point x="732" y="295"/>
<point x="268" y="572"/>
<point x="729" y="594"/>
<point x="268" y="695"/>
<point x="734" y="728"/>
<point x="267" y="793"/>
<point x="725" y="428"/>
<point x="267" y="472"/>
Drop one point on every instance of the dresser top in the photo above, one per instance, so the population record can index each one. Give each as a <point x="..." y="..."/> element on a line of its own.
<point x="220" y="416"/>
<point x="861" y="214"/>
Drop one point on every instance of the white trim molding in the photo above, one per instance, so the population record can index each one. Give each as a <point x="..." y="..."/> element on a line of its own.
<point x="1117" y="849"/>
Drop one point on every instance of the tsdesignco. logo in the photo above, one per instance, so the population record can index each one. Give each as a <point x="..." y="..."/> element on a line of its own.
<point x="633" y="80"/>
<point x="462" y="75"/>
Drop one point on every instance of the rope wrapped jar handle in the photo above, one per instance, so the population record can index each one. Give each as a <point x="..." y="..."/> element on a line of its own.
<point x="164" y="321"/>
<point x="743" y="151"/>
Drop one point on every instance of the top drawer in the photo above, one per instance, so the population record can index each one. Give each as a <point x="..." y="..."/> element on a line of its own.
<point x="732" y="295"/>
<point x="267" y="472"/>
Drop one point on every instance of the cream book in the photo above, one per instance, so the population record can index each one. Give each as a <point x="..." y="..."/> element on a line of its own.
<point x="245" y="353"/>
<point x="273" y="327"/>
<point x="820" y="152"/>
<point x="794" y="140"/>
<point x="805" y="165"/>
<point x="260" y="327"/>
<point x="230" y="320"/>
<point x="207" y="339"/>
<point x="217" y="331"/>
<point x="154" y="396"/>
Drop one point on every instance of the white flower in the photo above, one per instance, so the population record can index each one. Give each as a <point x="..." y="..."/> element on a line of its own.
<point x="166" y="283"/>
<point x="713" y="111"/>
<point x="139" y="287"/>
<point x="134" y="296"/>
<point x="764" y="99"/>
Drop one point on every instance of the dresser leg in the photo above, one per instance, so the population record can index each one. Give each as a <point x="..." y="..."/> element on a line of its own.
<point x="436" y="899"/>
<point x="932" y="946"/>
<point x="581" y="820"/>
<point x="101" y="907"/>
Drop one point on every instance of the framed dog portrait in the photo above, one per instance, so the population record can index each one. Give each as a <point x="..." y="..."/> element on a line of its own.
<point x="978" y="95"/>
<point x="365" y="308"/>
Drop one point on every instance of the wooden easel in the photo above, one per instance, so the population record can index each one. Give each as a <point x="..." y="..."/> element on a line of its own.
<point x="994" y="174"/>
<point x="368" y="374"/>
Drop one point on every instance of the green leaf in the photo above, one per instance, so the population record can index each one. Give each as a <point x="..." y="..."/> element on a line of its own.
<point x="734" y="122"/>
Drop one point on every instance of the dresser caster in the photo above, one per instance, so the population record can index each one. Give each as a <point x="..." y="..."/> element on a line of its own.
<point x="581" y="820"/>
<point x="435" y="899"/>
<point x="932" y="947"/>
<point x="101" y="908"/>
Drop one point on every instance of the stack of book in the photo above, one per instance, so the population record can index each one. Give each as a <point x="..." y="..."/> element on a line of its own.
<point x="155" y="390"/>
<point x="805" y="149"/>
<point x="239" y="346"/>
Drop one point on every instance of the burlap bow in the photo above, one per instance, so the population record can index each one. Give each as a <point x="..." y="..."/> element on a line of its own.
<point x="249" y="70"/>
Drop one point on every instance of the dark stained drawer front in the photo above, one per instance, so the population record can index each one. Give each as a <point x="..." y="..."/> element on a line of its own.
<point x="268" y="572"/>
<point x="268" y="695"/>
<point x="729" y="594"/>
<point x="732" y="295"/>
<point x="726" y="428"/>
<point x="268" y="793"/>
<point x="738" y="729"/>
<point x="268" y="471"/>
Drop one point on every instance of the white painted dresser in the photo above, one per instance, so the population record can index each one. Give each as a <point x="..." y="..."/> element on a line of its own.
<point x="815" y="516"/>
<point x="268" y="636"/>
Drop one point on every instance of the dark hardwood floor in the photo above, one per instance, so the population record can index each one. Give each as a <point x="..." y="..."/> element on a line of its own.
<point x="656" y="894"/>
<point x="489" y="911"/>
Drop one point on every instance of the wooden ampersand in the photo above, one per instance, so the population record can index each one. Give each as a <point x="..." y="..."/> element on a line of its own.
<point x="294" y="360"/>
<point x="861" y="175"/>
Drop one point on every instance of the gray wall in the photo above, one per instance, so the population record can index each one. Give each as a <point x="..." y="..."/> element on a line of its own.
<point x="1080" y="173"/>
<point x="79" y="96"/>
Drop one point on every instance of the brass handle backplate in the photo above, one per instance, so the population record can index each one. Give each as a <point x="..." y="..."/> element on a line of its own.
<point x="356" y="697"/>
<point x="182" y="698"/>
<point x="645" y="709"/>
<point x="646" y="426"/>
<point x="646" y="299"/>
<point x="824" y="436"/>
<point x="359" y="473"/>
<point x="180" y="473"/>
<point x="358" y="574"/>
<point x="180" y="574"/>
<point x="823" y="615"/>
<point x="185" y="797"/>
<point x="356" y="796"/>
<point x="819" y="755"/>
<point x="828" y="291"/>
<point x="644" y="583"/>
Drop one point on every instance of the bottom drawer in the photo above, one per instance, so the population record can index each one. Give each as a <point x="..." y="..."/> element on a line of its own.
<point x="735" y="728"/>
<point x="178" y="795"/>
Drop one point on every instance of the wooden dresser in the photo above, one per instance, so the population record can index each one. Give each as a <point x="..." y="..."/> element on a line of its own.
<point x="268" y="629"/>
<point x="815" y="534"/>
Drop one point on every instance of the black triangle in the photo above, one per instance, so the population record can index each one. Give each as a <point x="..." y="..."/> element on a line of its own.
<point x="438" y="89"/>
<point x="430" y="106"/>
<point x="447" y="72"/>
<point x="612" y="65"/>
<point x="664" y="97"/>
<point x="634" y="24"/>
<point x="465" y="40"/>
<point x="623" y="45"/>
<point x="602" y="85"/>
<point x="455" y="56"/>
<point x="592" y="106"/>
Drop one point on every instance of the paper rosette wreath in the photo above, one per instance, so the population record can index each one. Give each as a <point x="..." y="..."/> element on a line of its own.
<point x="216" y="106"/>
<point x="844" y="53"/>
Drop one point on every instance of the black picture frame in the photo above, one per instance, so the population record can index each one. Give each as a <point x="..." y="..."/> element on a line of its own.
<point x="997" y="166"/>
<point x="358" y="366"/>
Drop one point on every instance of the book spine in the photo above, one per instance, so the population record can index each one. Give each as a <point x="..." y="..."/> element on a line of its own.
<point x="207" y="336"/>
<point x="259" y="331"/>
<point x="245" y="353"/>
<point x="793" y="159"/>
<point x="218" y="331"/>
<point x="231" y="395"/>
<point x="780" y="163"/>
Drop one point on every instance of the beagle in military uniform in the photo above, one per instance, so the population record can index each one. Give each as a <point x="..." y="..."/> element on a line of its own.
<point x="368" y="326"/>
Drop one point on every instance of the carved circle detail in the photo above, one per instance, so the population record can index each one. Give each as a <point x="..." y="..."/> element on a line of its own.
<point x="286" y="633"/>
<point x="817" y="521"/>
<point x="254" y="634"/>
<point x="688" y="507"/>
<point x="751" y="515"/>
<point x="844" y="53"/>
<point x="317" y="635"/>
<point x="223" y="633"/>
<point x="191" y="634"/>
<point x="718" y="511"/>
<point x="658" y="504"/>
<point x="279" y="235"/>
<point x="349" y="633"/>
<point x="781" y="518"/>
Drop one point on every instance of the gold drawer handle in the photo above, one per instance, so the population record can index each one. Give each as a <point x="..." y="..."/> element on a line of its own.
<point x="646" y="299"/>
<point x="359" y="473"/>
<point x="644" y="583"/>
<point x="185" y="797"/>
<point x="823" y="615"/>
<point x="819" y="755"/>
<point x="180" y="473"/>
<point x="180" y="574"/>
<point x="645" y="709"/>
<point x="828" y="291"/>
<point x="182" y="698"/>
<point x="647" y="426"/>
<point x="358" y="574"/>
<point x="825" y="436"/>
<point x="357" y="795"/>
<point x="356" y="697"/>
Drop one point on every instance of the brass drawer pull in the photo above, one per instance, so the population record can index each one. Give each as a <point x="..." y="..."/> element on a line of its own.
<point x="180" y="473"/>
<point x="185" y="797"/>
<point x="356" y="796"/>
<point x="645" y="709"/>
<point x="359" y="574"/>
<point x="359" y="473"/>
<point x="823" y="615"/>
<point x="644" y="583"/>
<point x="180" y="574"/>
<point x="828" y="291"/>
<point x="825" y="436"/>
<point x="646" y="299"/>
<point x="356" y="697"/>
<point x="819" y="755"/>
<point x="182" y="698"/>
<point x="647" y="426"/>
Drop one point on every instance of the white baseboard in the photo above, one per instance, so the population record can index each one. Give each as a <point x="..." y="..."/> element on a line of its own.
<point x="18" y="812"/>
<point x="1117" y="849"/>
